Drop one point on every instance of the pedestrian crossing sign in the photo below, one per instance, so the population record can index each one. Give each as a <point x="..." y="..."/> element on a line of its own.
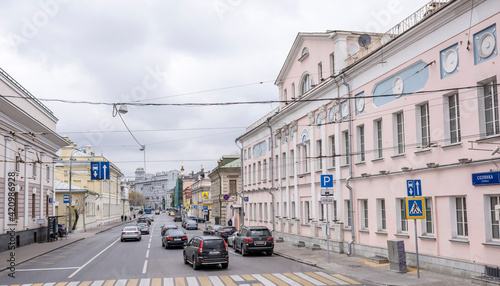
<point x="415" y="208"/>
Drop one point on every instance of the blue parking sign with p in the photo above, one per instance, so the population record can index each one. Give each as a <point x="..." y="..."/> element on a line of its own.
<point x="327" y="181"/>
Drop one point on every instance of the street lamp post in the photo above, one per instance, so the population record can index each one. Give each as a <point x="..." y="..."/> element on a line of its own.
<point x="70" y="183"/>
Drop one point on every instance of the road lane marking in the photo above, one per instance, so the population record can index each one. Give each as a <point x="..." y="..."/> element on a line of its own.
<point x="322" y="279"/>
<point x="298" y="279"/>
<point x="108" y="283"/>
<point x="156" y="282"/>
<point x="85" y="283"/>
<point x="336" y="280"/>
<point x="179" y="281"/>
<point x="61" y="283"/>
<point x="81" y="267"/>
<point x="149" y="244"/>
<point x="168" y="282"/>
<point x="121" y="282"/>
<point x="74" y="283"/>
<point x="191" y="281"/>
<point x="215" y="281"/>
<point x="308" y="278"/>
<point x="132" y="282"/>
<point x="147" y="253"/>
<point x="145" y="282"/>
<point x="236" y="278"/>
<point x="227" y="281"/>
<point x="263" y="280"/>
<point x="286" y="279"/>
<point x="97" y="283"/>
<point x="248" y="277"/>
<point x="204" y="281"/>
<point x="145" y="267"/>
<point x="275" y="280"/>
<point x="346" y="279"/>
<point x="42" y="269"/>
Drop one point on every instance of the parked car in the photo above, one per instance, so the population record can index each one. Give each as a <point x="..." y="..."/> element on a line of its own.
<point x="230" y="239"/>
<point x="211" y="229"/>
<point x="200" y="219"/>
<point x="225" y="232"/>
<point x="143" y="227"/>
<point x="177" y="217"/>
<point x="174" y="237"/>
<point x="166" y="227"/>
<point x="191" y="224"/>
<point x="206" y="250"/>
<point x="186" y="219"/>
<point x="254" y="238"/>
<point x="131" y="232"/>
<point x="62" y="230"/>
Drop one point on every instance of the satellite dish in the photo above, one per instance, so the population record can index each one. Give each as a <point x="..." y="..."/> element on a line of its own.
<point x="352" y="49"/>
<point x="364" y="40"/>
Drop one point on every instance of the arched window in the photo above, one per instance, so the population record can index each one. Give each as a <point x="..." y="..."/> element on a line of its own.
<point x="305" y="84"/>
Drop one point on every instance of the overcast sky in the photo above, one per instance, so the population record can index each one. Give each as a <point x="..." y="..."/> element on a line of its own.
<point x="167" y="52"/>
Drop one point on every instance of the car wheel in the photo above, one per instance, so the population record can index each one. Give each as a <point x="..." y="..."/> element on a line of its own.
<point x="162" y="243"/>
<point x="224" y="265"/>
<point x="122" y="239"/>
<point x="166" y="245"/>
<point x="269" y="253"/>
<point x="195" y="264"/>
<point x="185" y="259"/>
<point x="243" y="252"/>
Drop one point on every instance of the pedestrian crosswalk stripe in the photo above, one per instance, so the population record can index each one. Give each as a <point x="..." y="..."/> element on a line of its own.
<point x="269" y="279"/>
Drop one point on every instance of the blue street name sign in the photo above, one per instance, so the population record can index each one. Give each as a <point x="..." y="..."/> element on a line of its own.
<point x="99" y="170"/>
<point x="205" y="208"/>
<point x="414" y="188"/>
<point x="415" y="208"/>
<point x="66" y="199"/>
<point x="245" y="199"/>
<point x="327" y="181"/>
<point x="489" y="178"/>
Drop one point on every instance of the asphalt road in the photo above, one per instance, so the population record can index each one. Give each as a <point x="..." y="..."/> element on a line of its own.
<point x="105" y="257"/>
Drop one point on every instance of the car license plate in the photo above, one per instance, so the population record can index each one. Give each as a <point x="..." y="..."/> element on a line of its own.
<point x="260" y="243"/>
<point x="177" y="239"/>
<point x="213" y="252"/>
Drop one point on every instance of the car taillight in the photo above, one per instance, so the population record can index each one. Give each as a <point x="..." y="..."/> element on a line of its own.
<point x="124" y="233"/>
<point x="248" y="240"/>
<point x="185" y="237"/>
<point x="170" y="238"/>
<point x="200" y="250"/>
<point x="270" y="239"/>
<point x="136" y="232"/>
<point x="225" y="244"/>
<point x="223" y="231"/>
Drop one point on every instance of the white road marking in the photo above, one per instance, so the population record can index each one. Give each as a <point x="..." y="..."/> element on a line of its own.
<point x="147" y="253"/>
<point x="49" y="284"/>
<point x="215" y="281"/>
<point x="286" y="279"/>
<point x="334" y="279"/>
<point x="309" y="278"/>
<point x="191" y="281"/>
<point x="97" y="283"/>
<point x="168" y="282"/>
<point x="145" y="282"/>
<point x="263" y="280"/>
<point x="145" y="267"/>
<point x="81" y="267"/>
<point x="237" y="278"/>
<point x="121" y="282"/>
<point x="74" y="283"/>
<point x="41" y="269"/>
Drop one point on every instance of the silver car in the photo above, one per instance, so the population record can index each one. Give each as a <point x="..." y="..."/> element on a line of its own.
<point x="131" y="232"/>
<point x="230" y="239"/>
<point x="143" y="227"/>
<point x="191" y="224"/>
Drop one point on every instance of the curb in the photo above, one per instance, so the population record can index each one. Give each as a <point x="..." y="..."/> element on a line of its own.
<point x="298" y="260"/>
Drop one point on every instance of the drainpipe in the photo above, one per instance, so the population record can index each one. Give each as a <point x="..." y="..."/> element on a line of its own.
<point x="272" y="170"/>
<point x="240" y="193"/>
<point x="349" y="156"/>
<point x="220" y="195"/>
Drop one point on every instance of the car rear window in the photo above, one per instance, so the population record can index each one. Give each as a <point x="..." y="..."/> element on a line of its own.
<point x="130" y="228"/>
<point x="175" y="232"/>
<point x="259" y="232"/>
<point x="213" y="244"/>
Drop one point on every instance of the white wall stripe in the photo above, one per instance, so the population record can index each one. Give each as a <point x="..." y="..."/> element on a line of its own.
<point x="334" y="279"/>
<point x="121" y="282"/>
<point x="168" y="281"/>
<point x="237" y="278"/>
<point x="145" y="282"/>
<point x="215" y="281"/>
<point x="97" y="283"/>
<point x="191" y="281"/>
<point x="309" y="278"/>
<point x="263" y="280"/>
<point x="286" y="279"/>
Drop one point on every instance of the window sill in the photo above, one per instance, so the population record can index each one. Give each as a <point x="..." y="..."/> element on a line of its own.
<point x="492" y="243"/>
<point x="398" y="156"/>
<point x="460" y="240"/>
<point x="495" y="136"/>
<point x="360" y="163"/>
<point x="402" y="235"/>
<point x="450" y="146"/>
<point x="427" y="237"/>
<point x="423" y="151"/>
<point x="347" y="229"/>
<point x="344" y="166"/>
<point x="364" y="231"/>
<point x="381" y="232"/>
<point x="378" y="160"/>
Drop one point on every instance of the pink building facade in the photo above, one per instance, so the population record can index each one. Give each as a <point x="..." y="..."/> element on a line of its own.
<point x="375" y="110"/>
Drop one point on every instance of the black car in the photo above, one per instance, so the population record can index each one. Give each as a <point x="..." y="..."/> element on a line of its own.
<point x="225" y="232"/>
<point x="211" y="229"/>
<point x="206" y="250"/>
<point x="253" y="239"/>
<point x="62" y="230"/>
<point x="200" y="219"/>
<point x="173" y="237"/>
<point x="177" y="217"/>
<point x="142" y="219"/>
<point x="166" y="227"/>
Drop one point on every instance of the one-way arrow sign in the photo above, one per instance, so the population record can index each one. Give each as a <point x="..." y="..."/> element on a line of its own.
<point x="99" y="170"/>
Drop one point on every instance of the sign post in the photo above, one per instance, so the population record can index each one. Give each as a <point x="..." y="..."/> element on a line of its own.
<point x="326" y="199"/>
<point x="415" y="209"/>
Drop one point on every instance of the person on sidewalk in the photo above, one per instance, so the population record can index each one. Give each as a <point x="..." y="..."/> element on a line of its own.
<point x="230" y="222"/>
<point x="122" y="217"/>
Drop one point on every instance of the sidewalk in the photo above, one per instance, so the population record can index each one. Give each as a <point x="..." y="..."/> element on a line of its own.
<point x="361" y="269"/>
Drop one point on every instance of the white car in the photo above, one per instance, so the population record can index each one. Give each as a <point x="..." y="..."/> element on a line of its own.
<point x="131" y="232"/>
<point x="230" y="239"/>
<point x="191" y="224"/>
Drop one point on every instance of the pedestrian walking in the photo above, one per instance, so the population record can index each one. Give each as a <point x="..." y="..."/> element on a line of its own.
<point x="125" y="218"/>
<point x="230" y="222"/>
<point x="122" y="217"/>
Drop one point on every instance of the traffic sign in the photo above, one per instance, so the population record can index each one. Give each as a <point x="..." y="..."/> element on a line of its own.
<point x="186" y="209"/>
<point x="226" y="197"/>
<point x="326" y="192"/>
<point x="327" y="200"/>
<point x="99" y="170"/>
<point x="66" y="199"/>
<point x="414" y="188"/>
<point x="205" y="208"/>
<point x="204" y="195"/>
<point x="415" y="208"/>
<point x="245" y="199"/>
<point x="327" y="181"/>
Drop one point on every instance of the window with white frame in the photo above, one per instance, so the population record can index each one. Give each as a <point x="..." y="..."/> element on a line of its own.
<point x="260" y="212"/>
<point x="361" y="143"/>
<point x="306" y="212"/>
<point x="293" y="90"/>
<point x="259" y="172"/>
<point x="249" y="208"/>
<point x="423" y="129"/>
<point x="332" y="151"/>
<point x="495" y="224"/>
<point x="294" y="215"/>
<point x="305" y="84"/>
<point x="305" y="158"/>
<point x="381" y="215"/>
<point x="47" y="172"/>
<point x="332" y="64"/>
<point x="246" y="175"/>
<point x="364" y="214"/>
<point x="319" y="154"/>
<point x="402" y="226"/>
<point x="334" y="211"/>
<point x="283" y="165"/>
<point x="285" y="210"/>
<point x="249" y="153"/>
<point x="264" y="170"/>
<point x="270" y="168"/>
<point x="428" y="227"/>
<point x="292" y="163"/>
<point x="347" y="215"/>
<point x="278" y="211"/>
<point x="265" y="212"/>
<point x="245" y="152"/>
<point x="378" y="139"/>
<point x="345" y="147"/>
<point x="454" y="118"/>
<point x="490" y="103"/>
<point x="399" y="133"/>
<point x="276" y="167"/>
<point x="462" y="229"/>
<point x="285" y="94"/>
<point x="320" y="71"/>
<point x="254" y="178"/>
<point x="34" y="171"/>
<point x="322" y="215"/>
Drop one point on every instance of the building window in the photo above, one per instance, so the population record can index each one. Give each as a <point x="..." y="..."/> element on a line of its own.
<point x="47" y="171"/>
<point x="294" y="215"/>
<point x="293" y="90"/>
<point x="283" y="166"/>
<point x="264" y="171"/>
<point x="428" y="227"/>
<point x="265" y="211"/>
<point x="378" y="139"/>
<point x="332" y="151"/>
<point x="461" y="213"/>
<point x="245" y="173"/>
<point x="259" y="172"/>
<point x="305" y="84"/>
<point x="347" y="215"/>
<point x="232" y="187"/>
<point x="454" y="118"/>
<point x="381" y="215"/>
<point x="292" y="163"/>
<point x="270" y="168"/>
<point x="33" y="197"/>
<point x="400" y="133"/>
<point x="260" y="212"/>
<point x="276" y="167"/>
<point x="402" y="220"/>
<point x="245" y="152"/>
<point x="491" y="108"/>
<point x="278" y="211"/>
<point x="361" y="143"/>
<point x="285" y="210"/>
<point x="306" y="212"/>
<point x="495" y="224"/>
<point x="320" y="72"/>
<point x="364" y="214"/>
<point x="18" y="163"/>
<point x="34" y="171"/>
<point x="345" y="147"/>
<point x="254" y="178"/>
<point x="305" y="158"/>
<point x="425" y="135"/>
<point x="319" y="154"/>
<point x="332" y="64"/>
<point x="322" y="215"/>
<point x="285" y="94"/>
<point x="47" y="205"/>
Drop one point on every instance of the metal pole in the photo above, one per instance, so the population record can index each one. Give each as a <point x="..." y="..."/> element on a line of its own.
<point x="416" y="249"/>
<point x="327" y="235"/>
<point x="70" y="183"/>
